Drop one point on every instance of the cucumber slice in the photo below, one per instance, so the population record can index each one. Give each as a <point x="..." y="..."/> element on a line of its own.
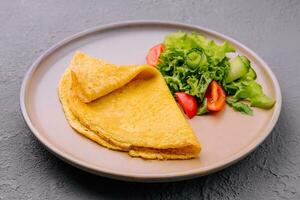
<point x="251" y="75"/>
<point x="245" y="60"/>
<point x="193" y="60"/>
<point x="196" y="58"/>
<point x="239" y="67"/>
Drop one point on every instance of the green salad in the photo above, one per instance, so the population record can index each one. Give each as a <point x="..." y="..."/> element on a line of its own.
<point x="200" y="69"/>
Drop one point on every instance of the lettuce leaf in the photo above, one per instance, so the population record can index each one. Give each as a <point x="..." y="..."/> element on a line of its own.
<point x="182" y="40"/>
<point x="253" y="92"/>
<point x="239" y="106"/>
<point x="191" y="61"/>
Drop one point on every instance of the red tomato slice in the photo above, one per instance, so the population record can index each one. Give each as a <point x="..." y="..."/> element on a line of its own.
<point x="154" y="53"/>
<point x="215" y="97"/>
<point x="188" y="103"/>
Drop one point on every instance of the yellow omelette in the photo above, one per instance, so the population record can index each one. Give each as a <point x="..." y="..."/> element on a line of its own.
<point x="125" y="108"/>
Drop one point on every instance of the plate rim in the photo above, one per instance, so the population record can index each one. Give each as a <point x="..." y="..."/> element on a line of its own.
<point x="142" y="177"/>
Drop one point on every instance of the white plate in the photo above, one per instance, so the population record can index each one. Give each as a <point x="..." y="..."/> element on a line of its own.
<point x="226" y="137"/>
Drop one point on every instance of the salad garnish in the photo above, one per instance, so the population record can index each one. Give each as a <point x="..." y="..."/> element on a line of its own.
<point x="203" y="78"/>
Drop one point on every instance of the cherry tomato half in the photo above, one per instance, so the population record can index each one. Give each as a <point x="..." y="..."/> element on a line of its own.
<point x="154" y="53"/>
<point x="188" y="103"/>
<point x="215" y="97"/>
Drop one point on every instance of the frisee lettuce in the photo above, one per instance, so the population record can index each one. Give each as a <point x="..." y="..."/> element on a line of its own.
<point x="191" y="61"/>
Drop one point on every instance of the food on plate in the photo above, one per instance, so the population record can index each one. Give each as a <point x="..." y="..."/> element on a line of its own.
<point x="215" y="97"/>
<point x="188" y="103"/>
<point x="154" y="53"/>
<point x="126" y="108"/>
<point x="202" y="69"/>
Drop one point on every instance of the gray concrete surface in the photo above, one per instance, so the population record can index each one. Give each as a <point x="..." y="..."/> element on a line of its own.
<point x="28" y="28"/>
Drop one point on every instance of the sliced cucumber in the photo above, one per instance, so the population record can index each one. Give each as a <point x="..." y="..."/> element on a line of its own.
<point x="193" y="59"/>
<point x="196" y="58"/>
<point x="245" y="60"/>
<point x="239" y="67"/>
<point x="251" y="75"/>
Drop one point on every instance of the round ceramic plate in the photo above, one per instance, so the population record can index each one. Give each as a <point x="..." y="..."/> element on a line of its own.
<point x="226" y="137"/>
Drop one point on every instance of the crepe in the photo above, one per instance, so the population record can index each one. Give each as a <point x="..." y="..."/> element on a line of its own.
<point x="126" y="108"/>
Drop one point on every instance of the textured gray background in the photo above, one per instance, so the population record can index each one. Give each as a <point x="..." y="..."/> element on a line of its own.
<point x="28" y="28"/>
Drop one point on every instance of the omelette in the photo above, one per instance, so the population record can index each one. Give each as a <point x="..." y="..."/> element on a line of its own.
<point x="125" y="108"/>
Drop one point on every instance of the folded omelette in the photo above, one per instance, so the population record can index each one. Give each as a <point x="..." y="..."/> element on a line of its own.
<point x="125" y="108"/>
